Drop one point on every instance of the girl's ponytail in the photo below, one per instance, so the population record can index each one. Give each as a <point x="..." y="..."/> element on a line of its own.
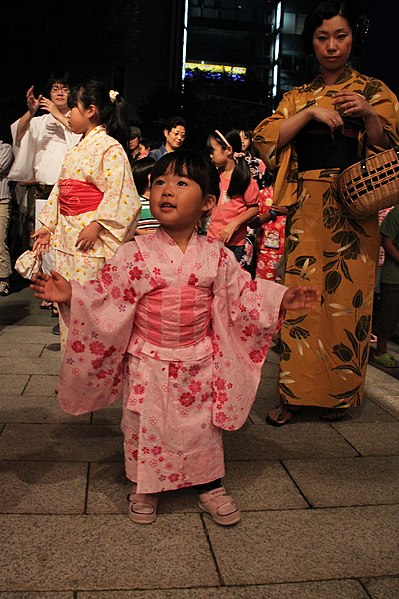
<point x="117" y="124"/>
<point x="241" y="176"/>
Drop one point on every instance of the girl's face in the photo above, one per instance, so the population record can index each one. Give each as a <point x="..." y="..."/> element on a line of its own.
<point x="218" y="155"/>
<point x="177" y="202"/>
<point x="245" y="141"/>
<point x="81" y="118"/>
<point x="332" y="43"/>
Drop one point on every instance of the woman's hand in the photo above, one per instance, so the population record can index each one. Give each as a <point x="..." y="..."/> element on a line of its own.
<point x="42" y="241"/>
<point x="299" y="297"/>
<point x="329" y="117"/>
<point x="88" y="236"/>
<point x="53" y="288"/>
<point x="227" y="233"/>
<point x="32" y="102"/>
<point x="349" y="103"/>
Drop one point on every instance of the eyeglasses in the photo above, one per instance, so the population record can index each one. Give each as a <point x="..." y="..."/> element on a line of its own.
<point x="60" y="88"/>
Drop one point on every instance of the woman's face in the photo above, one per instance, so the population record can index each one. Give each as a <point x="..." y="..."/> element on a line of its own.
<point x="332" y="43"/>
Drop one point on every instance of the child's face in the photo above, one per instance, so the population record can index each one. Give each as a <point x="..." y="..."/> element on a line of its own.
<point x="177" y="202"/>
<point x="80" y="118"/>
<point x="245" y="141"/>
<point x="218" y="155"/>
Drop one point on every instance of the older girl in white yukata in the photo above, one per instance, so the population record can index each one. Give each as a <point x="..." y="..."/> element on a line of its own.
<point x="180" y="330"/>
<point x="95" y="206"/>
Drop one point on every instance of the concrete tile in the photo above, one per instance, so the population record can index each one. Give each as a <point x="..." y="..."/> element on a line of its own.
<point x="28" y="408"/>
<point x="369" y="411"/>
<point x="304" y="545"/>
<point x="41" y="595"/>
<point x="347" y="481"/>
<point x="28" y="334"/>
<point x="63" y="442"/>
<point x="112" y="414"/>
<point x="343" y="589"/>
<point x="42" y="488"/>
<point x="27" y="365"/>
<point x="262" y="485"/>
<point x="29" y="350"/>
<point x="108" y="488"/>
<point x="383" y="588"/>
<point x="104" y="552"/>
<point x="311" y="440"/>
<point x="40" y="384"/>
<point x="13" y="384"/>
<point x="379" y="438"/>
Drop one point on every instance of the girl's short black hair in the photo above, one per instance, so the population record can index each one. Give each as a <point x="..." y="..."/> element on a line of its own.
<point x="186" y="163"/>
<point x="328" y="9"/>
<point x="141" y="169"/>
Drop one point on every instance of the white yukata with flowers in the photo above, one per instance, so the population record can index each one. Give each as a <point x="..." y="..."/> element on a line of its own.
<point x="100" y="160"/>
<point x="182" y="338"/>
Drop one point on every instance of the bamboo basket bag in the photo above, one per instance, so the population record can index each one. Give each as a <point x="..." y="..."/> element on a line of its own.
<point x="370" y="185"/>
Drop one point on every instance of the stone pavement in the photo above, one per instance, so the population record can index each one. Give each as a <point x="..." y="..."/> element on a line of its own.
<point x="319" y="501"/>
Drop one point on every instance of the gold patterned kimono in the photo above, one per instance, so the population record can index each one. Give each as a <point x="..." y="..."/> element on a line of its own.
<point x="325" y="352"/>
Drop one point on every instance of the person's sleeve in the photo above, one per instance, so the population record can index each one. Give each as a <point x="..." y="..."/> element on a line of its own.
<point x="119" y="210"/>
<point x="390" y="224"/>
<point x="6" y="159"/>
<point x="100" y="322"/>
<point x="245" y="316"/>
<point x="251" y="196"/>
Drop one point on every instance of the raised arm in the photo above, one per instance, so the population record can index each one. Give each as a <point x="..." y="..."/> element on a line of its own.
<point x="33" y="105"/>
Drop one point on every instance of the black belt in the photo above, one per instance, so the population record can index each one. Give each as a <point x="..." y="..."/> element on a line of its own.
<point x="321" y="150"/>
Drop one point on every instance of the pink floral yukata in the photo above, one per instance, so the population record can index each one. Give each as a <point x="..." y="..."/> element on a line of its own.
<point x="143" y="330"/>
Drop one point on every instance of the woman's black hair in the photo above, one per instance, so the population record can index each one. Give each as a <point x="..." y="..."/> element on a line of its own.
<point x="113" y="113"/>
<point x="328" y="9"/>
<point x="241" y="176"/>
<point x="186" y="163"/>
<point x="141" y="169"/>
<point x="62" y="77"/>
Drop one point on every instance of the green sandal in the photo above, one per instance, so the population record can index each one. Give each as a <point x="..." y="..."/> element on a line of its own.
<point x="385" y="360"/>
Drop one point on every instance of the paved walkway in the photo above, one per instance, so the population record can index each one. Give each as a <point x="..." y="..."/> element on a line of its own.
<point x="320" y="501"/>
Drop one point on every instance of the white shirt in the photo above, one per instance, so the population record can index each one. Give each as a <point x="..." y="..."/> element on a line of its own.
<point x="41" y="150"/>
<point x="6" y="158"/>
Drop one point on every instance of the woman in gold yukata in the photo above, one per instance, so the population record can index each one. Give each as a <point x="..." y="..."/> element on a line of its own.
<point x="317" y="130"/>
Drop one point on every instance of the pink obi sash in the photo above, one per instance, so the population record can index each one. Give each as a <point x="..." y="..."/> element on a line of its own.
<point x="174" y="317"/>
<point x="76" y="197"/>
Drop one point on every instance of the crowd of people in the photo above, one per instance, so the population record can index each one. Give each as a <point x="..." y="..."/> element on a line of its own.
<point x="181" y="269"/>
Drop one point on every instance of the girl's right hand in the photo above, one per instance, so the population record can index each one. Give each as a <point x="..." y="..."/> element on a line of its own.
<point x="42" y="241"/>
<point x="53" y="288"/>
<point x="329" y="117"/>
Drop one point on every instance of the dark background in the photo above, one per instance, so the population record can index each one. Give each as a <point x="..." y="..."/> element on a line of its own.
<point x="117" y="40"/>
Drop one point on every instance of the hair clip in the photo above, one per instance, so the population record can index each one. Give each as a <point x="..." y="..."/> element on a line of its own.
<point x="113" y="94"/>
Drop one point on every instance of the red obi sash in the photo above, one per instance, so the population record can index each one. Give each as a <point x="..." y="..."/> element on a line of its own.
<point x="77" y="197"/>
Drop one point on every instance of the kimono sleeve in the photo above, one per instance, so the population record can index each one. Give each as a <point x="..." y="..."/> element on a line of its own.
<point x="119" y="210"/>
<point x="245" y="315"/>
<point x="100" y="322"/>
<point x="265" y="139"/>
<point x="24" y="151"/>
<point x="49" y="213"/>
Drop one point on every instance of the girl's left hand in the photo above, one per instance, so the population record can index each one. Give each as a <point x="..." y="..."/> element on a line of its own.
<point x="227" y="232"/>
<point x="299" y="297"/>
<point x="88" y="236"/>
<point x="349" y="103"/>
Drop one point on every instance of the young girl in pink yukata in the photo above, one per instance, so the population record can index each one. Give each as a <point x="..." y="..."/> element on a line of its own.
<point x="238" y="201"/>
<point x="178" y="329"/>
